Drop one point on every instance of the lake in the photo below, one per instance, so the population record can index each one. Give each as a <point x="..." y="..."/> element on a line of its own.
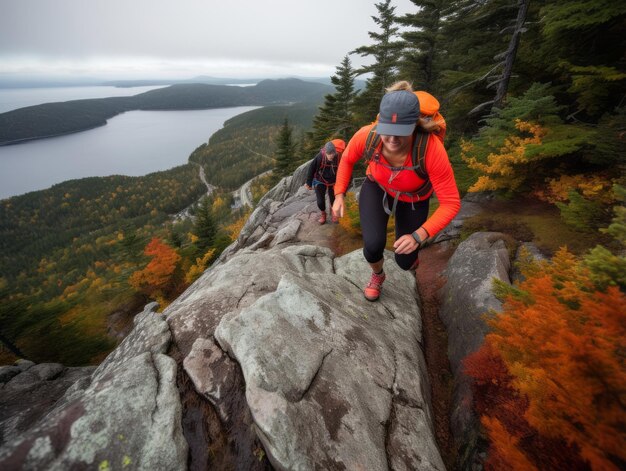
<point x="133" y="143"/>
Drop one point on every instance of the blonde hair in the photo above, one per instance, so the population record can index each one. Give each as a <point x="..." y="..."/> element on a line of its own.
<point x="400" y="85"/>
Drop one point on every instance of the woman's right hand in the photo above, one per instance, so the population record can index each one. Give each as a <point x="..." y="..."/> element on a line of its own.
<point x="338" y="206"/>
<point x="308" y="187"/>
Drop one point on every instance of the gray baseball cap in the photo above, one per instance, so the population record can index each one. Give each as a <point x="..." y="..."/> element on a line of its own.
<point x="399" y="111"/>
<point x="329" y="148"/>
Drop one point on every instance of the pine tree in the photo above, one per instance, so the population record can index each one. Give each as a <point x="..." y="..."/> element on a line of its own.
<point x="285" y="152"/>
<point x="343" y="81"/>
<point x="205" y="227"/>
<point x="422" y="44"/>
<point x="589" y="41"/>
<point x="386" y="52"/>
<point x="473" y="36"/>
<point x="335" y="118"/>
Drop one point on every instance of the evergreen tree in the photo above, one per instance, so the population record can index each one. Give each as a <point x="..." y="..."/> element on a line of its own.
<point x="205" y="227"/>
<point x="585" y="41"/>
<point x="422" y="43"/>
<point x="334" y="118"/>
<point x="285" y="152"/>
<point x="345" y="94"/>
<point x="386" y="51"/>
<point x="473" y="33"/>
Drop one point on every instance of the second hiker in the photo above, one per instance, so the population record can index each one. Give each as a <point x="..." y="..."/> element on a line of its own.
<point x="322" y="174"/>
<point x="407" y="163"/>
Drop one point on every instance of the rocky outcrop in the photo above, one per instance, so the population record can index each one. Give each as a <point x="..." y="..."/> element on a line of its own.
<point x="466" y="298"/>
<point x="331" y="381"/>
<point x="272" y="359"/>
<point x="126" y="415"/>
<point x="28" y="391"/>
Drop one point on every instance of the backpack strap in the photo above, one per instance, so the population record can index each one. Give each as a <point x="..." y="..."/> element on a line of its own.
<point x="418" y="158"/>
<point x="371" y="143"/>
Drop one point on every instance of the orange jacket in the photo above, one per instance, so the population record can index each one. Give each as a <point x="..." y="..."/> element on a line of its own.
<point x="437" y="166"/>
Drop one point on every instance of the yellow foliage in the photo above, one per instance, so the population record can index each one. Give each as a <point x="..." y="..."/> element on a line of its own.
<point x="592" y="187"/>
<point x="350" y="222"/>
<point x="500" y="169"/>
<point x="235" y="228"/>
<point x="192" y="237"/>
<point x="201" y="263"/>
<point x="218" y="204"/>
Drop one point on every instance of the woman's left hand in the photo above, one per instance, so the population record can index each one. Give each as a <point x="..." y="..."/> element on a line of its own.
<point x="405" y="244"/>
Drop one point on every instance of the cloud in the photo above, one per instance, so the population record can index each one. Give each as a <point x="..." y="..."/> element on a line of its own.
<point x="188" y="36"/>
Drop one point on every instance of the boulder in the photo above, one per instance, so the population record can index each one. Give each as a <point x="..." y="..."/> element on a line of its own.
<point x="31" y="394"/>
<point x="278" y="337"/>
<point x="126" y="416"/>
<point x="466" y="297"/>
<point x="332" y="380"/>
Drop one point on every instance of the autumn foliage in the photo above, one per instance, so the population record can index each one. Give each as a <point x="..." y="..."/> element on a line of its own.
<point x="550" y="377"/>
<point x="350" y="222"/>
<point x="503" y="169"/>
<point x="160" y="278"/>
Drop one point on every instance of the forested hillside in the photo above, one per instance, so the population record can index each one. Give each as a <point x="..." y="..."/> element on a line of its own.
<point x="52" y="119"/>
<point x="231" y="157"/>
<point x="67" y="253"/>
<point x="81" y="257"/>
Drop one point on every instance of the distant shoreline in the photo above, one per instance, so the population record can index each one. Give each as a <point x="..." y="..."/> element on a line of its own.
<point x="37" y="138"/>
<point x="61" y="118"/>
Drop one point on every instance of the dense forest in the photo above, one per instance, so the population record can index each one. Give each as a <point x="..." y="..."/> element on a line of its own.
<point x="50" y="119"/>
<point x="533" y="98"/>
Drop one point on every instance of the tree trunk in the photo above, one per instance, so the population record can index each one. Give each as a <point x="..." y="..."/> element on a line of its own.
<point x="511" y="52"/>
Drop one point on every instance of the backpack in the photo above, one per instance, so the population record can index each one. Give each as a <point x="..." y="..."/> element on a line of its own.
<point x="429" y="108"/>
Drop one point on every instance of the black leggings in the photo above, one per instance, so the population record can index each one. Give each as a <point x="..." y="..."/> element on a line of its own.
<point x="374" y="221"/>
<point x="320" y="192"/>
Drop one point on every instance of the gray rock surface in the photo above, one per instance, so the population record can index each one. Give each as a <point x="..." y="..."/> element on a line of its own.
<point x="7" y="372"/>
<point x="24" y="401"/>
<point x="331" y="380"/>
<point x="128" y="416"/>
<point x="323" y="365"/>
<point x="471" y="205"/>
<point x="466" y="298"/>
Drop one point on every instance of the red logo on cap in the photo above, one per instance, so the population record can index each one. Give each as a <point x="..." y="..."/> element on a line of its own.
<point x="394" y="117"/>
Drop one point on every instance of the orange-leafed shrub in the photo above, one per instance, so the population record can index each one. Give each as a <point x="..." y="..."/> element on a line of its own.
<point x="160" y="278"/>
<point x="550" y="378"/>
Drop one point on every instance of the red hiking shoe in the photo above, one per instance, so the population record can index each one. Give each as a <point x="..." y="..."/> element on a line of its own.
<point x="372" y="290"/>
<point x="334" y="219"/>
<point x="322" y="219"/>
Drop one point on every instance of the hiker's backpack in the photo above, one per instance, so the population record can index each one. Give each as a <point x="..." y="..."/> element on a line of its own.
<point x="429" y="109"/>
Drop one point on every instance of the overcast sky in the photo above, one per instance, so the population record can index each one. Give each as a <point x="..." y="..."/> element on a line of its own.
<point x="183" y="38"/>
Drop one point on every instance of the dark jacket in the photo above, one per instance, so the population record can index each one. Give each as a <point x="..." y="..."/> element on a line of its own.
<point x="322" y="170"/>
